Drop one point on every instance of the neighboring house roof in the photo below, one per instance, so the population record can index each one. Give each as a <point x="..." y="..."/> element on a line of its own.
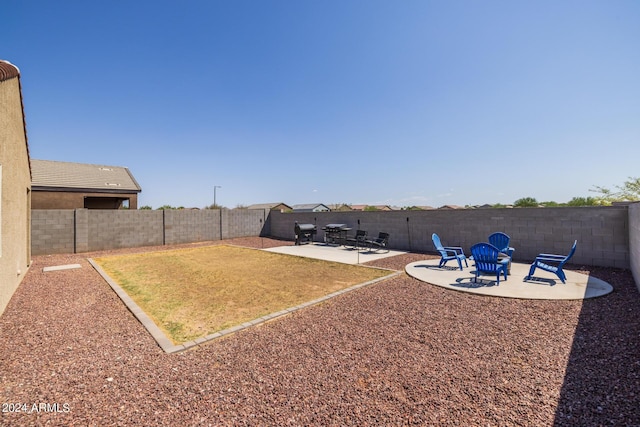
<point x="310" y="207"/>
<point x="9" y="71"/>
<point x="53" y="175"/>
<point x="340" y="207"/>
<point x="279" y="205"/>
<point x="451" y="207"/>
<point x="378" y="207"/>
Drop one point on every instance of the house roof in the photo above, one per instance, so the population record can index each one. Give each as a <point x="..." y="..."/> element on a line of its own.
<point x="49" y="174"/>
<point x="339" y="207"/>
<point x="268" y="205"/>
<point x="309" y="206"/>
<point x="451" y="207"/>
<point x="379" y="207"/>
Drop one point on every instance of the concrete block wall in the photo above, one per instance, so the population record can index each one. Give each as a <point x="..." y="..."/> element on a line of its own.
<point x="81" y="230"/>
<point x="602" y="232"/>
<point x="607" y="236"/>
<point x="243" y="222"/>
<point x="52" y="231"/>
<point x="634" y="241"/>
<point x="186" y="226"/>
<point x="86" y="230"/>
<point x="115" y="229"/>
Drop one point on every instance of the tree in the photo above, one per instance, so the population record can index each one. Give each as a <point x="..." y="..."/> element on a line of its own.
<point x="526" y="202"/>
<point x="629" y="191"/>
<point x="168" y="207"/>
<point x="340" y="207"/>
<point x="145" y="208"/>
<point x="582" y="201"/>
<point x="215" y="206"/>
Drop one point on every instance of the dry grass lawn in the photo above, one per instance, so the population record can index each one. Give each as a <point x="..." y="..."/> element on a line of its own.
<point x="190" y="293"/>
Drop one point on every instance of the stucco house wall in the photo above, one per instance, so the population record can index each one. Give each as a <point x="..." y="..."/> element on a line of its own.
<point x="15" y="186"/>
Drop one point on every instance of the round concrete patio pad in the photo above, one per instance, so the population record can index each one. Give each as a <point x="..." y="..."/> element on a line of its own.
<point x="543" y="285"/>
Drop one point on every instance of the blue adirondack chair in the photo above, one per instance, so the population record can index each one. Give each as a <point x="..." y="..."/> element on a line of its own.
<point x="486" y="257"/>
<point x="449" y="252"/>
<point x="501" y="241"/>
<point x="545" y="262"/>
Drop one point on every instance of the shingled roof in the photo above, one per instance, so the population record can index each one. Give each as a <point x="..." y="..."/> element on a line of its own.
<point x="49" y="174"/>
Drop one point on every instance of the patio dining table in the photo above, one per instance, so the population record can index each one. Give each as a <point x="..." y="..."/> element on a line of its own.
<point x="335" y="234"/>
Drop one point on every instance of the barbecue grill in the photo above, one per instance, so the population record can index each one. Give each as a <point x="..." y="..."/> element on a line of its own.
<point x="304" y="233"/>
<point x="335" y="233"/>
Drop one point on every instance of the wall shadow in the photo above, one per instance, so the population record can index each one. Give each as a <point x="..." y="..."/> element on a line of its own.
<point x="602" y="381"/>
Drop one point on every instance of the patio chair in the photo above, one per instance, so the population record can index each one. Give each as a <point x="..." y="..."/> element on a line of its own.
<point x="486" y="257"/>
<point x="545" y="262"/>
<point x="357" y="241"/>
<point x="379" y="242"/>
<point x="449" y="252"/>
<point x="501" y="241"/>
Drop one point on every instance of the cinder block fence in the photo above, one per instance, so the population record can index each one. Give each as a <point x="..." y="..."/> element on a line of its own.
<point x="607" y="236"/>
<point x="86" y="230"/>
<point x="602" y="232"/>
<point x="634" y="241"/>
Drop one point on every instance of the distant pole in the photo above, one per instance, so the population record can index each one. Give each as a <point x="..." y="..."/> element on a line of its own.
<point x="214" y="195"/>
<point x="357" y="248"/>
<point x="261" y="237"/>
<point x="409" y="234"/>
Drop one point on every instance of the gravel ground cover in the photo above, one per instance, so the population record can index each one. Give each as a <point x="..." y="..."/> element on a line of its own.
<point x="400" y="352"/>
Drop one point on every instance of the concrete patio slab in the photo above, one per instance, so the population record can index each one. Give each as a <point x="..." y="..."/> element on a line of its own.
<point x="543" y="285"/>
<point x="334" y="253"/>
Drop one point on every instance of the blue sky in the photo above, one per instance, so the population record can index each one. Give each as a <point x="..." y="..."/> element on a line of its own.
<point x="364" y="102"/>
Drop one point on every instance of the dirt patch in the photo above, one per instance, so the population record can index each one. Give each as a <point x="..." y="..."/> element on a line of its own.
<point x="190" y="293"/>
